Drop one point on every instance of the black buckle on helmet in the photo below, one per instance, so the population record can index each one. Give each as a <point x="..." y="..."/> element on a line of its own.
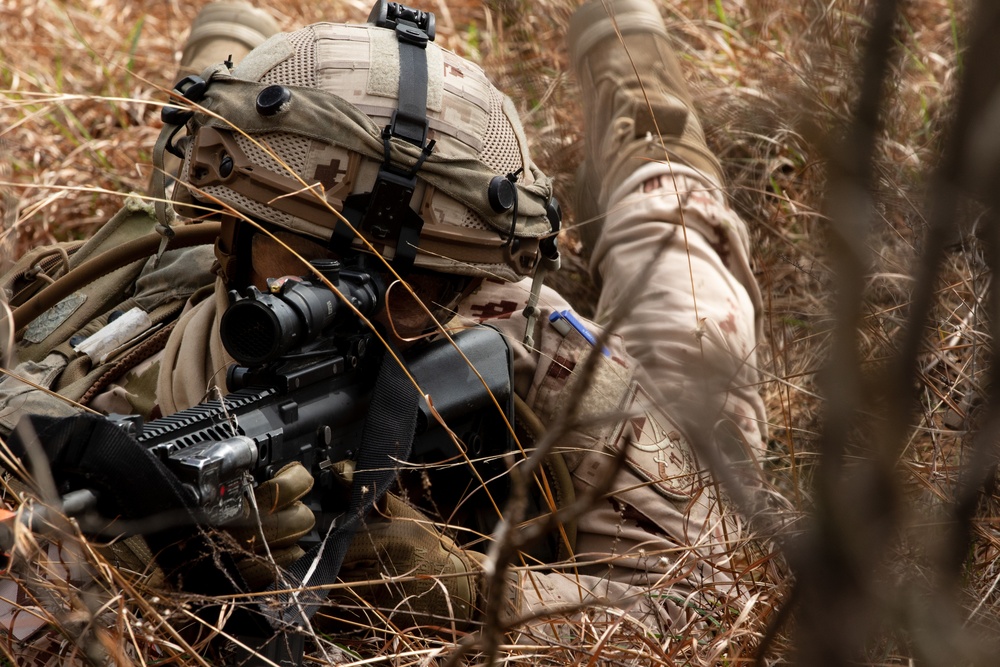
<point x="191" y="88"/>
<point x="408" y="127"/>
<point x="385" y="213"/>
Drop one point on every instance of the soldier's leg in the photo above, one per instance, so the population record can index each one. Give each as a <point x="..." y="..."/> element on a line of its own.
<point x="672" y="257"/>
<point x="673" y="260"/>
<point x="221" y="31"/>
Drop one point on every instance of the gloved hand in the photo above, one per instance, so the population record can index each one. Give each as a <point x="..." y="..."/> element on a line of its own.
<point x="284" y="520"/>
<point x="439" y="582"/>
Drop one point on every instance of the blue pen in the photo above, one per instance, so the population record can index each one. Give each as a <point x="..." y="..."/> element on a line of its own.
<point x="562" y="320"/>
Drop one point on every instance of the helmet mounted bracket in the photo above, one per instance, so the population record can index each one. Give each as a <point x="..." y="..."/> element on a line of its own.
<point x="385" y="213"/>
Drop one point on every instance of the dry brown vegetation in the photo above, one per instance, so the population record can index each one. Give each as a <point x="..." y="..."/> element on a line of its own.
<point x="778" y="84"/>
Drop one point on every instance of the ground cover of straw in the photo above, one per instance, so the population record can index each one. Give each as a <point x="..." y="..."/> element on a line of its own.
<point x="774" y="81"/>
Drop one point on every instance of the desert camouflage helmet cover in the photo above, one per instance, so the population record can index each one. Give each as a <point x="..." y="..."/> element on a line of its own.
<point x="344" y="83"/>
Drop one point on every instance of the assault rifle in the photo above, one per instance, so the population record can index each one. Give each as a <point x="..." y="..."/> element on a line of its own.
<point x="300" y="391"/>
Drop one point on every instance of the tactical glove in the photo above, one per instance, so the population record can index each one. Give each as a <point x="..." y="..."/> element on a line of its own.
<point x="283" y="521"/>
<point x="401" y="567"/>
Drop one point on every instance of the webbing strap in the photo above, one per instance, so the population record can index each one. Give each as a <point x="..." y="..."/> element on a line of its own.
<point x="174" y="118"/>
<point x="387" y="439"/>
<point x="410" y="119"/>
<point x="387" y="214"/>
<point x="99" y="455"/>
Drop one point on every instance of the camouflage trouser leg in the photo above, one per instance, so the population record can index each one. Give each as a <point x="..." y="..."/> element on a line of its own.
<point x="677" y="285"/>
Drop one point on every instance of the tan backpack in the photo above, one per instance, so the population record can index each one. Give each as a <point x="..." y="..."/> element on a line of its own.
<point x="81" y="343"/>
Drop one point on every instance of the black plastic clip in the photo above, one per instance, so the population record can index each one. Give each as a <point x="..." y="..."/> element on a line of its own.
<point x="549" y="244"/>
<point x="414" y="22"/>
<point x="191" y="88"/>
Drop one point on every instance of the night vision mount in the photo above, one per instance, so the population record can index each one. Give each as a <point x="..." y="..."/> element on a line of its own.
<point x="385" y="212"/>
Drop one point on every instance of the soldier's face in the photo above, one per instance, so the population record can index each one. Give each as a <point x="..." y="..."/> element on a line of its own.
<point x="271" y="257"/>
<point x="405" y="315"/>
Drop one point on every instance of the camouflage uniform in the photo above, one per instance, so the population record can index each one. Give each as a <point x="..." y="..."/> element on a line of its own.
<point x="673" y="542"/>
<point x="677" y="288"/>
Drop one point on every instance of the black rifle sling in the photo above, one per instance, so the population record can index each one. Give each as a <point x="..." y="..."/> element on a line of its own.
<point x="385" y="441"/>
<point x="92" y="452"/>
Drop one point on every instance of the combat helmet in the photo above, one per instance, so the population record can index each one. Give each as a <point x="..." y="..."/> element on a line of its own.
<point x="373" y="124"/>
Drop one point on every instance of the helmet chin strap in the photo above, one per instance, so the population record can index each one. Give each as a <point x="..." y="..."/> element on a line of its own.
<point x="158" y="185"/>
<point x="548" y="251"/>
<point x="174" y="118"/>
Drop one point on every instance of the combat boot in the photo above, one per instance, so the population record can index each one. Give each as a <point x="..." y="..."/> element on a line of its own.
<point x="636" y="104"/>
<point x="224" y="30"/>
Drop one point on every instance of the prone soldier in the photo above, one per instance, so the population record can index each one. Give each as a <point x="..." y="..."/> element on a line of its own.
<point x="371" y="146"/>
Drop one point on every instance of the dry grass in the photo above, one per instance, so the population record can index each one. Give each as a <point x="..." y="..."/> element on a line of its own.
<point x="776" y="85"/>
